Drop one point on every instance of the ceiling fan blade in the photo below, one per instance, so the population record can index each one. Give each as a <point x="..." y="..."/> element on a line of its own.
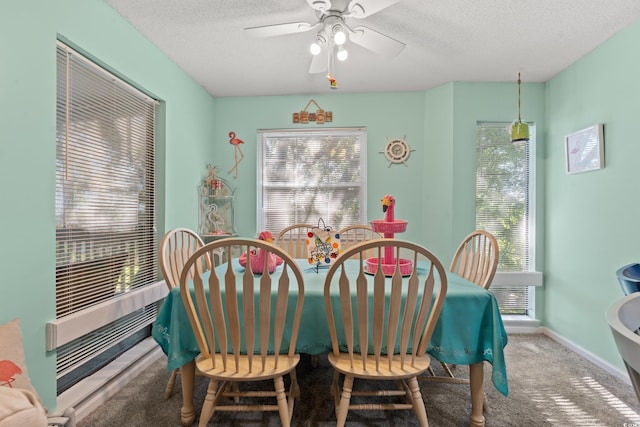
<point x="375" y="41"/>
<point x="364" y="8"/>
<point x="318" y="63"/>
<point x="280" y="29"/>
<point x="321" y="5"/>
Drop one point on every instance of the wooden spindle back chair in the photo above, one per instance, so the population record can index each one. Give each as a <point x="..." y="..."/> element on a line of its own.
<point x="246" y="325"/>
<point x="387" y="325"/>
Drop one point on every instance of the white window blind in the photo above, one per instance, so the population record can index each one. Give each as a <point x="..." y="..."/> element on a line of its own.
<point x="504" y="176"/>
<point x="105" y="231"/>
<point x="304" y="175"/>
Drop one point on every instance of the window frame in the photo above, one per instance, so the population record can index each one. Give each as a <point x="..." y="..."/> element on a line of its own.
<point x="96" y="140"/>
<point x="508" y="281"/>
<point x="358" y="132"/>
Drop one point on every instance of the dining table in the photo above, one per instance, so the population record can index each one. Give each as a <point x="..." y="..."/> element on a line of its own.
<point x="469" y="331"/>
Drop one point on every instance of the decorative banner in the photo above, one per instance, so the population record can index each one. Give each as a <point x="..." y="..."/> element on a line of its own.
<point x="320" y="116"/>
<point x="323" y="245"/>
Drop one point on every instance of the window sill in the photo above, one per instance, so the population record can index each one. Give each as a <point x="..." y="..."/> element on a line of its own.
<point x="521" y="324"/>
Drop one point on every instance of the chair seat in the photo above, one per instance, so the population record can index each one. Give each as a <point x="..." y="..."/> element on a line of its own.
<point x="342" y="364"/>
<point x="285" y="365"/>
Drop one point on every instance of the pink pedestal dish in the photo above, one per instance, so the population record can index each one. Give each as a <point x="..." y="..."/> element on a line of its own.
<point x="388" y="227"/>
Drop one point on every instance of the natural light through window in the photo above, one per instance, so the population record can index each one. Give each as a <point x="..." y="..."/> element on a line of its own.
<point x="574" y="410"/>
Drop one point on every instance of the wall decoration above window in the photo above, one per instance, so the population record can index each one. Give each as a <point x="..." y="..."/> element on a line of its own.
<point x="320" y="116"/>
<point x="397" y="151"/>
<point x="584" y="149"/>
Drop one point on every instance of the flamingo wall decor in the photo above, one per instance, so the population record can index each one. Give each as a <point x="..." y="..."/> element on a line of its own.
<point x="236" y="149"/>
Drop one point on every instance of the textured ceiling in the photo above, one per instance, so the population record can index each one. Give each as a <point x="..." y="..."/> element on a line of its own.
<point x="446" y="40"/>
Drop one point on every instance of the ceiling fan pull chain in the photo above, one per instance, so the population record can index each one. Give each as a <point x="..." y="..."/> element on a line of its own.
<point x="333" y="84"/>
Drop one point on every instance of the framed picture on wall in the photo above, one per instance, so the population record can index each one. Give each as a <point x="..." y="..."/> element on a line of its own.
<point x="584" y="149"/>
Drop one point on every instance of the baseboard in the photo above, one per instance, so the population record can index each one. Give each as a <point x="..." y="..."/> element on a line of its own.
<point x="599" y="362"/>
<point x="96" y="389"/>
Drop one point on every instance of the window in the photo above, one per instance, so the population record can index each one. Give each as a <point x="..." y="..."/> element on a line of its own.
<point x="505" y="178"/>
<point x="105" y="231"/>
<point x="304" y="175"/>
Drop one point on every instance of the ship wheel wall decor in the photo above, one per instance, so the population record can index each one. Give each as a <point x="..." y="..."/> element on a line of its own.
<point x="397" y="151"/>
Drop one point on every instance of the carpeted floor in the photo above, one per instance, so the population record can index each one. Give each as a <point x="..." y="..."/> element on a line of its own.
<point x="549" y="386"/>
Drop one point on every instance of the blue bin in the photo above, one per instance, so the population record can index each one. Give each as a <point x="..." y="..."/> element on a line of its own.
<point x="629" y="278"/>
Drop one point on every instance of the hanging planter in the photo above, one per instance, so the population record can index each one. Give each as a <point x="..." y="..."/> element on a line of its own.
<point x="519" y="130"/>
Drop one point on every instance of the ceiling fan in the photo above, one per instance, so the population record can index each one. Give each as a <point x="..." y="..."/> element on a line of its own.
<point x="333" y="30"/>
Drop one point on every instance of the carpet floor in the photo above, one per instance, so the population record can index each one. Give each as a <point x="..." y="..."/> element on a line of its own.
<point x="549" y="386"/>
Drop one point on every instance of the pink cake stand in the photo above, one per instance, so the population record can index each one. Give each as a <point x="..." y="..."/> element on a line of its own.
<point x="388" y="263"/>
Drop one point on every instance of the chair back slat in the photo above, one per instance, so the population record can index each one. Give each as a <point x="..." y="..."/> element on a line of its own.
<point x="410" y="312"/>
<point x="476" y="258"/>
<point x="230" y="325"/>
<point x="378" y="305"/>
<point x="347" y="312"/>
<point x="212" y="319"/>
<point x="265" y="314"/>
<point x="395" y="312"/>
<point x="248" y="301"/>
<point x="235" y="326"/>
<point x="281" y="309"/>
<point x="426" y="320"/>
<point x="362" y="301"/>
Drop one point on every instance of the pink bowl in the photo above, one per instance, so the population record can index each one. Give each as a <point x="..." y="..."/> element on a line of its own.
<point x="388" y="227"/>
<point x="406" y="266"/>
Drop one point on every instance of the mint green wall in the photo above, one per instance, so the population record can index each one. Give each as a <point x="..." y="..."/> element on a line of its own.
<point x="592" y="218"/>
<point x="437" y="181"/>
<point x="29" y="30"/>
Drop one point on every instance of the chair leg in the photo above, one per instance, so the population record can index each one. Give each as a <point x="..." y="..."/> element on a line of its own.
<point x="294" y="392"/>
<point x="335" y="390"/>
<point x="345" y="400"/>
<point x="294" y="388"/>
<point x="168" y="392"/>
<point x="447" y="369"/>
<point x="281" y="397"/>
<point x="209" y="403"/>
<point x="418" y="403"/>
<point x="235" y="387"/>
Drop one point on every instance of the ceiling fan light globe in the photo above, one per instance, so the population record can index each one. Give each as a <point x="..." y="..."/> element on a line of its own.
<point x="342" y="53"/>
<point x="315" y="48"/>
<point x="339" y="37"/>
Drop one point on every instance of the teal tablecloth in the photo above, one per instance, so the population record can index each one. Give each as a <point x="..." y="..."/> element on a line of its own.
<point x="469" y="329"/>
